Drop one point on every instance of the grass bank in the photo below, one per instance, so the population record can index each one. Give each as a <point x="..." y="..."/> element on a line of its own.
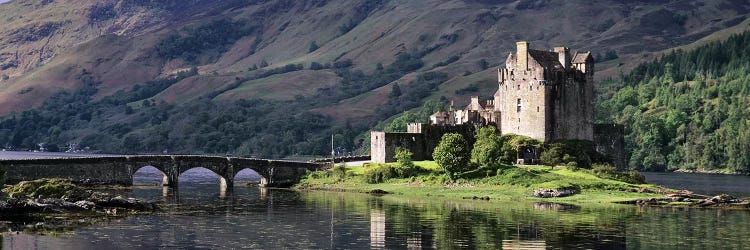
<point x="509" y="183"/>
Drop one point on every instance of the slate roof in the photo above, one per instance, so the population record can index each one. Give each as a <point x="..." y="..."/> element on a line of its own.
<point x="547" y="59"/>
<point x="581" y="57"/>
<point x="440" y="114"/>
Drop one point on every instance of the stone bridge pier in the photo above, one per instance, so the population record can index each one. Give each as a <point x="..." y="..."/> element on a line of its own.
<point x="119" y="170"/>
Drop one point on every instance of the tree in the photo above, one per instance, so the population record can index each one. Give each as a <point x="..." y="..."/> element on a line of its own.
<point x="483" y="64"/>
<point x="263" y="63"/>
<point x="553" y="155"/>
<point x="316" y="66"/>
<point x="452" y="154"/>
<point x="403" y="157"/>
<point x="487" y="148"/>
<point x="395" y="91"/>
<point x="313" y="47"/>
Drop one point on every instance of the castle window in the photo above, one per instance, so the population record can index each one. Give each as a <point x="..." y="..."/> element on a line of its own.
<point x="518" y="105"/>
<point x="519" y="86"/>
<point x="537" y="108"/>
<point x="531" y="88"/>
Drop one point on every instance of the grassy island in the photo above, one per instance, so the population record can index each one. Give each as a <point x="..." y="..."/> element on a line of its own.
<point x="505" y="183"/>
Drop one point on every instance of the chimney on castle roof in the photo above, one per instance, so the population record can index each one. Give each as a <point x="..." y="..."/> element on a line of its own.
<point x="522" y="55"/>
<point x="563" y="54"/>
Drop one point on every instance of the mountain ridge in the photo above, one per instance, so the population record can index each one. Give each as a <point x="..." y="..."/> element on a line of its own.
<point x="113" y="45"/>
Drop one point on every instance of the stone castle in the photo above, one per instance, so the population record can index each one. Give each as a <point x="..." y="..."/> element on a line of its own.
<point x="545" y="95"/>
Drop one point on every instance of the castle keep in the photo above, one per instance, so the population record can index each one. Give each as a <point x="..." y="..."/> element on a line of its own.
<point x="545" y="95"/>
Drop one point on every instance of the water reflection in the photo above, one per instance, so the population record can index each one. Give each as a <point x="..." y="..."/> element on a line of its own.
<point x="197" y="215"/>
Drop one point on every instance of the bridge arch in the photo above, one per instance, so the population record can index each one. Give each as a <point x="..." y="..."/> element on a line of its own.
<point x="147" y="171"/>
<point x="247" y="171"/>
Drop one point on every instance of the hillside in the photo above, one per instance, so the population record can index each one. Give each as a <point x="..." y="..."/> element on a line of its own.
<point x="688" y="110"/>
<point x="334" y="61"/>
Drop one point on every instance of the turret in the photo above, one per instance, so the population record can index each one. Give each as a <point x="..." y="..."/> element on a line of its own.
<point x="522" y="55"/>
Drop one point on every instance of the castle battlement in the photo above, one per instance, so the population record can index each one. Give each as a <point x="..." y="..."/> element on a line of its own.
<point x="546" y="95"/>
<point x="543" y="94"/>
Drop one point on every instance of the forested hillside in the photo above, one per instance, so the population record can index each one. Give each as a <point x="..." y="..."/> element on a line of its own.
<point x="688" y="109"/>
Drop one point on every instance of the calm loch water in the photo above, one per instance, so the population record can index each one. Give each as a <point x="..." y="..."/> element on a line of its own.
<point x="200" y="216"/>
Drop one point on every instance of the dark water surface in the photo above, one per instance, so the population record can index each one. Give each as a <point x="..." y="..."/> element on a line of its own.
<point x="709" y="184"/>
<point x="200" y="216"/>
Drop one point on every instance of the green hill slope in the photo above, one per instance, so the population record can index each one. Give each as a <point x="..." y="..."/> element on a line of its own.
<point x="689" y="109"/>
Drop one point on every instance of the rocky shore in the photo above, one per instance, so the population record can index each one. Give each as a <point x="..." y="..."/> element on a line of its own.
<point x="60" y="196"/>
<point x="686" y="198"/>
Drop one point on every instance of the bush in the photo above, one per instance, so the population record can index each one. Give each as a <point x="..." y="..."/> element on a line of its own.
<point x="380" y="173"/>
<point x="452" y="153"/>
<point x="339" y="171"/>
<point x="609" y="171"/>
<point x="568" y="152"/>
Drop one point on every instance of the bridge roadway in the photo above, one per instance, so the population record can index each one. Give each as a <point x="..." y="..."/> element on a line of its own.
<point x="119" y="170"/>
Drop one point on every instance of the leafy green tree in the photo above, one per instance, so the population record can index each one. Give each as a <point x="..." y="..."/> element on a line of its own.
<point x="403" y="157"/>
<point x="405" y="166"/>
<point x="452" y="153"/>
<point x="487" y="149"/>
<point x="553" y="155"/>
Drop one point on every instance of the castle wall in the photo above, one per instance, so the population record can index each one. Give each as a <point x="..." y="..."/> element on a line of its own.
<point x="421" y="140"/>
<point x="572" y="111"/>
<point x="609" y="140"/>
<point x="383" y="146"/>
<point x="529" y="88"/>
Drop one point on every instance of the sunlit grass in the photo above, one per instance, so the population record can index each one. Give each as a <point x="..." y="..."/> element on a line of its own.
<point x="510" y="183"/>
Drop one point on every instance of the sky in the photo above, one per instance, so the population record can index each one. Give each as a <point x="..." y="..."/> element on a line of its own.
<point x="4" y="1"/>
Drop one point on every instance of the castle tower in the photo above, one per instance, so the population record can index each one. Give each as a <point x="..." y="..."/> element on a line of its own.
<point x="546" y="95"/>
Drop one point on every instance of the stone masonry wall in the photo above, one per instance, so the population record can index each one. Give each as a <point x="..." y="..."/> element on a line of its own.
<point x="527" y="87"/>
<point x="383" y="145"/>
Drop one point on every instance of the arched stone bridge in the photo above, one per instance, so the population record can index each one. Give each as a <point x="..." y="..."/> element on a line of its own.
<point x="119" y="170"/>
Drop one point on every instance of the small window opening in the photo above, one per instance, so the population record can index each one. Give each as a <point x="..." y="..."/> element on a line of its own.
<point x="518" y="105"/>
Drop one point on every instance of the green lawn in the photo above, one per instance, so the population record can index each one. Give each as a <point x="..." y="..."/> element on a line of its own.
<point x="509" y="184"/>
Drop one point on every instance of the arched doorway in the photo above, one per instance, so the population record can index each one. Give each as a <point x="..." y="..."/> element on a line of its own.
<point x="149" y="176"/>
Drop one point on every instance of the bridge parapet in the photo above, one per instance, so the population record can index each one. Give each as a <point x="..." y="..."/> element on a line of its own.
<point x="119" y="170"/>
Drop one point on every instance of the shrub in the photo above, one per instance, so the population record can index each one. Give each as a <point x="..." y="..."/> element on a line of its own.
<point x="609" y="171"/>
<point x="565" y="152"/>
<point x="380" y="173"/>
<point x="452" y="154"/>
<point x="339" y="171"/>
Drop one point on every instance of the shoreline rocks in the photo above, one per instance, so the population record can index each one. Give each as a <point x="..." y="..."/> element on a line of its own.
<point x="550" y="193"/>
<point x="61" y="196"/>
<point x="688" y="199"/>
